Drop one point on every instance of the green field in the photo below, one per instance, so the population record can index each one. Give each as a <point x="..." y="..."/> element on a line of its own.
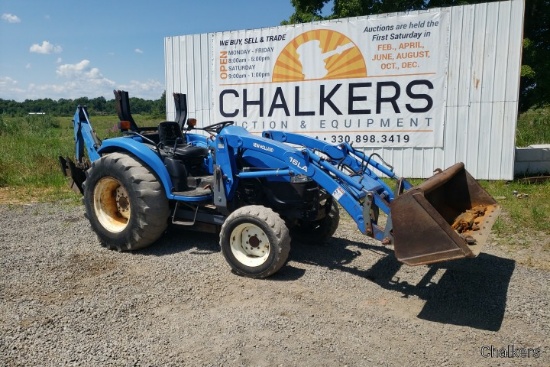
<point x="30" y="146"/>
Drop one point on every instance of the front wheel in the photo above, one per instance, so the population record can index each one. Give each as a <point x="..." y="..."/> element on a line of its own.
<point x="125" y="203"/>
<point x="255" y="241"/>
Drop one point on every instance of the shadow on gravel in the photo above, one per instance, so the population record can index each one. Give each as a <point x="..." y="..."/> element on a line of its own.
<point x="470" y="292"/>
<point x="178" y="239"/>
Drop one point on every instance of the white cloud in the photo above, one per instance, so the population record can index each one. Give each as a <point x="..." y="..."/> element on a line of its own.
<point x="9" y="89"/>
<point x="28" y="66"/>
<point x="149" y="89"/>
<point x="45" y="48"/>
<point x="70" y="70"/>
<point x="59" y="60"/>
<point x="7" y="82"/>
<point x="76" y="80"/>
<point x="10" y="18"/>
<point x="82" y="71"/>
<point x="138" y="51"/>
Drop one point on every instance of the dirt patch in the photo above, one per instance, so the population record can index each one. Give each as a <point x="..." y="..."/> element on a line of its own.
<point x="17" y="195"/>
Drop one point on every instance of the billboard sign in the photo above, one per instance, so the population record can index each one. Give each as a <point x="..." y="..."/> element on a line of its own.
<point x="371" y="82"/>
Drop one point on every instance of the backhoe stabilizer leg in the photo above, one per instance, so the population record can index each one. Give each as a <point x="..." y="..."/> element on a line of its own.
<point x="75" y="174"/>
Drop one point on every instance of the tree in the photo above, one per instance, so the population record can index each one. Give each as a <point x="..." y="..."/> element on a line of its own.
<point x="535" y="70"/>
<point x="305" y="11"/>
<point x="310" y="10"/>
<point x="159" y="108"/>
<point x="97" y="105"/>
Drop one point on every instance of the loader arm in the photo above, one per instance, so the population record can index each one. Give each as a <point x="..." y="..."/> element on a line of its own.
<point x="449" y="216"/>
<point x="341" y="170"/>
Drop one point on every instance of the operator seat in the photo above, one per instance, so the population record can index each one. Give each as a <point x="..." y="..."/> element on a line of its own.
<point x="173" y="142"/>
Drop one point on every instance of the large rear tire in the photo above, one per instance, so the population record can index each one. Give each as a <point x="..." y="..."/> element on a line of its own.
<point x="125" y="203"/>
<point x="255" y="241"/>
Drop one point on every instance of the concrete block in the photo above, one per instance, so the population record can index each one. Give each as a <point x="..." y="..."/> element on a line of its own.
<point x="520" y="168"/>
<point x="545" y="150"/>
<point x="541" y="167"/>
<point x="531" y="168"/>
<point x="528" y="154"/>
<point x="532" y="160"/>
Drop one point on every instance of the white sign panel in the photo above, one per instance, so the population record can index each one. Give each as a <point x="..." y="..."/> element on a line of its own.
<point x="371" y="82"/>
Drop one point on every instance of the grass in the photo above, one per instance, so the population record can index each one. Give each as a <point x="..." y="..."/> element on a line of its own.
<point x="533" y="127"/>
<point x="30" y="146"/>
<point x="29" y="150"/>
<point x="523" y="228"/>
<point x="526" y="205"/>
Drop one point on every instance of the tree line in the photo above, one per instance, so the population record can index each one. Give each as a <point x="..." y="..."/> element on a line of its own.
<point x="535" y="69"/>
<point x="67" y="107"/>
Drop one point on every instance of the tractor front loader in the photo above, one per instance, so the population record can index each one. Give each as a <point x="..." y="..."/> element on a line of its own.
<point x="258" y="192"/>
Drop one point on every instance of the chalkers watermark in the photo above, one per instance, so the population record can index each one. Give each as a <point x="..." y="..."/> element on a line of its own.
<point x="509" y="351"/>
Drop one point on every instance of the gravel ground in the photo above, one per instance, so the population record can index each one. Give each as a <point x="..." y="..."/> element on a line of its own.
<point x="66" y="301"/>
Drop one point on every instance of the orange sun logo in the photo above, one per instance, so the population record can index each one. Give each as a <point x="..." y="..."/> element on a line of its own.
<point x="319" y="54"/>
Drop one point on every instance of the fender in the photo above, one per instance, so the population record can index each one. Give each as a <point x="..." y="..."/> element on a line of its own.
<point x="197" y="139"/>
<point x="140" y="151"/>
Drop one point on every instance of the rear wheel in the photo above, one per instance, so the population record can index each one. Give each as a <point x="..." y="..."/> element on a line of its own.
<point x="255" y="241"/>
<point x="320" y="231"/>
<point x="125" y="203"/>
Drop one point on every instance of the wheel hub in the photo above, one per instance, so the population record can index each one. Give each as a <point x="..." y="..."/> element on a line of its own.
<point x="249" y="244"/>
<point x="254" y="241"/>
<point x="122" y="202"/>
<point x="111" y="204"/>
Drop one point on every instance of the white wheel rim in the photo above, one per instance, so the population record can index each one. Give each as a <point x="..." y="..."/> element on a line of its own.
<point x="249" y="244"/>
<point x="111" y="204"/>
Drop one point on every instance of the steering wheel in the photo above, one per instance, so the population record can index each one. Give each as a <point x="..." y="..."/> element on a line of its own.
<point x="217" y="127"/>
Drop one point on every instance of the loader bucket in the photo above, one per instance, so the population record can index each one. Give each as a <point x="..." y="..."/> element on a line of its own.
<point x="448" y="216"/>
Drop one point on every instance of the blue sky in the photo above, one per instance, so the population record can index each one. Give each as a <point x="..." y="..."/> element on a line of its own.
<point x="69" y="48"/>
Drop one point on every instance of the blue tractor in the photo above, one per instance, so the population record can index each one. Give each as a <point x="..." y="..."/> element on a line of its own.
<point x="258" y="192"/>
